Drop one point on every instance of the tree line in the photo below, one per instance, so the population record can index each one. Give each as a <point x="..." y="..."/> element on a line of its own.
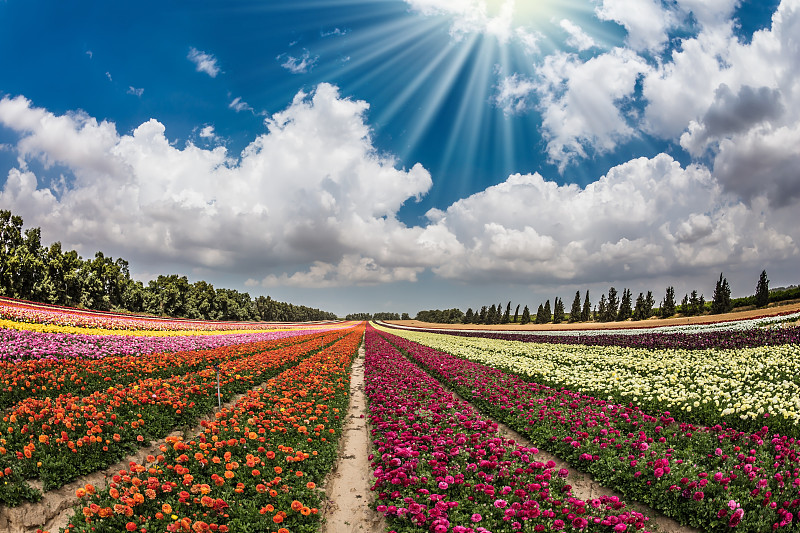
<point x="615" y="307"/>
<point x="48" y="274"/>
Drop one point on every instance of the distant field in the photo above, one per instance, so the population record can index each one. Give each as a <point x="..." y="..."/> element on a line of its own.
<point x="653" y="322"/>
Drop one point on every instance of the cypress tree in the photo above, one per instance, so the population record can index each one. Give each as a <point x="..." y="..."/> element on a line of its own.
<point x="558" y="311"/>
<point x="601" y="309"/>
<point x="721" y="299"/>
<point x="526" y="316"/>
<point x="638" y="311"/>
<point x="507" y="314"/>
<point x="491" y="315"/>
<point x="548" y="312"/>
<point x="685" y="305"/>
<point x="575" y="312"/>
<point x="587" y="309"/>
<point x="668" y="305"/>
<point x="625" y="306"/>
<point x="649" y="302"/>
<point x="482" y="316"/>
<point x="612" y="305"/>
<point x="516" y="314"/>
<point x="762" y="290"/>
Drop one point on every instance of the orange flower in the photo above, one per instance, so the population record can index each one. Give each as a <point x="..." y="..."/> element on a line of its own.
<point x="296" y="505"/>
<point x="311" y="485"/>
<point x="277" y="519"/>
<point x="305" y="511"/>
<point x="278" y="470"/>
<point x="166" y="508"/>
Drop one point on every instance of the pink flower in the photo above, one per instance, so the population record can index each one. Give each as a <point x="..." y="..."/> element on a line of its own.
<point x="736" y="518"/>
<point x="500" y="504"/>
<point x="476" y="517"/>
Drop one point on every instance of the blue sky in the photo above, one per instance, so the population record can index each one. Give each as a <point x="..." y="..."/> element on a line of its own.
<point x="407" y="154"/>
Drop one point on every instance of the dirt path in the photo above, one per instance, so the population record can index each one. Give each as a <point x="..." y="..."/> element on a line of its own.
<point x="348" y="509"/>
<point x="628" y="324"/>
<point x="55" y="508"/>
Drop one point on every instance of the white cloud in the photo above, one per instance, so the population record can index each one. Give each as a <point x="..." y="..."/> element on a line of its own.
<point x="204" y="62"/>
<point x="298" y="65"/>
<point x="645" y="218"/>
<point x="312" y="188"/>
<point x="514" y="94"/>
<point x="471" y="16"/>
<point x="646" y="21"/>
<point x="577" y="37"/>
<point x="239" y="105"/>
<point x="135" y="91"/>
<point x="580" y="102"/>
<point x="312" y="203"/>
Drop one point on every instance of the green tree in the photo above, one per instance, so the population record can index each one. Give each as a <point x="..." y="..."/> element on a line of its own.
<point x="625" y="310"/>
<point x="721" y="299"/>
<point x="468" y="316"/>
<point x="586" y="312"/>
<point x="612" y="305"/>
<point x="762" y="290"/>
<point x="516" y="314"/>
<point x="668" y="304"/>
<point x="575" y="310"/>
<point x="526" y="316"/>
<point x="540" y="318"/>
<point x="507" y="315"/>
<point x="602" y="314"/>
<point x="558" y="311"/>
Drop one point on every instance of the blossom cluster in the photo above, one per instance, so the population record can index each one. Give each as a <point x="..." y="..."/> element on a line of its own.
<point x="727" y="335"/>
<point x="746" y="388"/>
<point x="31" y="312"/>
<point x="442" y="467"/>
<point x="713" y="477"/>
<point x="254" y="467"/>
<point x="23" y="344"/>
<point x="59" y="437"/>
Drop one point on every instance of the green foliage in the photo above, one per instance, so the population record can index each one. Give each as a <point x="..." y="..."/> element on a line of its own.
<point x="586" y="311"/>
<point x="575" y="310"/>
<point x="721" y="300"/>
<point x="762" y="296"/>
<point x="448" y="316"/>
<point x="526" y="316"/>
<point x="31" y="271"/>
<point x="625" y="310"/>
<point x="612" y="306"/>
<point x="668" y="304"/>
<point x="558" y="311"/>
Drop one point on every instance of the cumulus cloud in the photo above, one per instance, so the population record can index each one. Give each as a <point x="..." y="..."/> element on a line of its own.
<point x="580" y="102"/>
<point x="471" y="16"/>
<point x="312" y="188"/>
<point x="298" y="65"/>
<point x="514" y="94"/>
<point x="645" y="218"/>
<point x="203" y="62"/>
<point x="577" y="37"/>
<point x="646" y="21"/>
<point x="312" y="203"/>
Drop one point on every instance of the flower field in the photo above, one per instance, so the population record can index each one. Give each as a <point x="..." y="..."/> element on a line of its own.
<point x="16" y="311"/>
<point x="255" y="467"/>
<point x="710" y="476"/>
<point x="440" y="466"/>
<point x="57" y="438"/>
<point x="746" y="388"/>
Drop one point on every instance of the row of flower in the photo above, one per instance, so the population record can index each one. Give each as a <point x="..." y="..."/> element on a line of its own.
<point x="58" y="439"/>
<point x="440" y="466"/>
<point x="255" y="467"/>
<point x="745" y="388"/>
<point x="727" y="336"/>
<point x="22" y="345"/>
<point x="712" y="477"/>
<point x="31" y="312"/>
<point x="50" y="377"/>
